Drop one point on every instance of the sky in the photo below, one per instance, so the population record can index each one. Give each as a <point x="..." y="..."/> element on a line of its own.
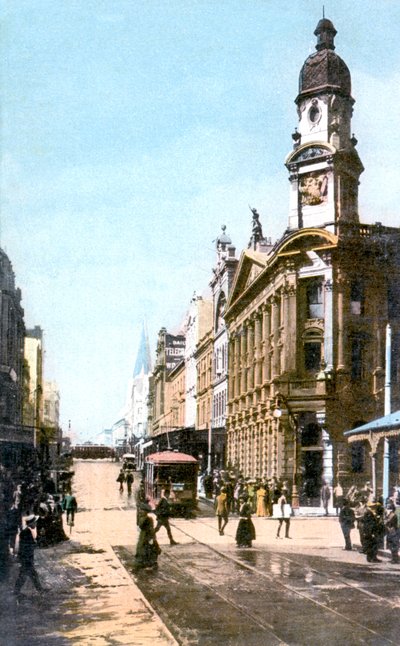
<point x="132" y="130"/>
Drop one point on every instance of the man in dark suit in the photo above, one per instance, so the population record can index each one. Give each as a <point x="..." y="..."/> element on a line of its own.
<point x="163" y="511"/>
<point x="27" y="543"/>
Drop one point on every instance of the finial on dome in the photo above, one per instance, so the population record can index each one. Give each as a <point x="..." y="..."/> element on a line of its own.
<point x="325" y="32"/>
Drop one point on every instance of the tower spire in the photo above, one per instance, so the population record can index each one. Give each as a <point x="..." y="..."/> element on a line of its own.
<point x="143" y="358"/>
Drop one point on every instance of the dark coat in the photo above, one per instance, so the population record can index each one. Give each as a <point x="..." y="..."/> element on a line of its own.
<point x="163" y="509"/>
<point x="347" y="517"/>
<point x="26" y="547"/>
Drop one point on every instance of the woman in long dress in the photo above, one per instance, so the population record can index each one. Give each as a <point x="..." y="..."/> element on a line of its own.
<point x="261" y="509"/>
<point x="245" y="532"/>
<point x="147" y="549"/>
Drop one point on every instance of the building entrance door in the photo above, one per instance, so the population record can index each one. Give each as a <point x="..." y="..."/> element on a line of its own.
<point x="311" y="462"/>
<point x="311" y="469"/>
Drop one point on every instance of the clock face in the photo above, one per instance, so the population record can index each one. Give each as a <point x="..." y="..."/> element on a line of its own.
<point x="314" y="113"/>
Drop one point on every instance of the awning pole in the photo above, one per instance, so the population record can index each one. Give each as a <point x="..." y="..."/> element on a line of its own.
<point x="387" y="411"/>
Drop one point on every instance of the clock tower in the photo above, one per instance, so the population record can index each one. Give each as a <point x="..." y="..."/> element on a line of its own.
<point x="324" y="167"/>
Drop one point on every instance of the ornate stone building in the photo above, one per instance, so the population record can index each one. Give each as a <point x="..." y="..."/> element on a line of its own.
<point x="12" y="331"/>
<point x="306" y="318"/>
<point x="221" y="283"/>
<point x="16" y="440"/>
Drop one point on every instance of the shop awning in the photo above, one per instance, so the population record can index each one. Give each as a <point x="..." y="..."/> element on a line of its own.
<point x="387" y="426"/>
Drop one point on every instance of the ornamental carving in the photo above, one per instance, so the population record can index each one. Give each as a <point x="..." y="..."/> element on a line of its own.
<point x="316" y="324"/>
<point x="313" y="189"/>
<point x="311" y="153"/>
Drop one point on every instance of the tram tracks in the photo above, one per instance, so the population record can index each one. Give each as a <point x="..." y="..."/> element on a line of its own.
<point x="332" y="580"/>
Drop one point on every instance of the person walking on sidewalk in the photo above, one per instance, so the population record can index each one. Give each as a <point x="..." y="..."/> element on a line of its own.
<point x="372" y="533"/>
<point x="163" y="512"/>
<point x="147" y="549"/>
<point x="392" y="531"/>
<point x="325" y="497"/>
<point x="129" y="482"/>
<point x="70" y="505"/>
<point x="347" y="520"/>
<point x="27" y="543"/>
<point x="285" y="511"/>
<point x="121" y="480"/>
<point x="221" y="510"/>
<point x="245" y="532"/>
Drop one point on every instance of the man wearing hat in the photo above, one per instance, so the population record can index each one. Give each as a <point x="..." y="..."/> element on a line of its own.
<point x="27" y="543"/>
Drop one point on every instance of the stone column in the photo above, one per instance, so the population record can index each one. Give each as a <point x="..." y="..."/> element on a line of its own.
<point x="258" y="349"/>
<point x="276" y="303"/>
<point x="328" y="323"/>
<point x="231" y="369"/>
<point x="237" y="366"/>
<point x="243" y="360"/>
<point x="340" y="326"/>
<point x="266" y="342"/>
<point x="250" y="355"/>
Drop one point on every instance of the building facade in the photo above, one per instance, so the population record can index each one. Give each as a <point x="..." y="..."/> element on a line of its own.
<point x="197" y="324"/>
<point x="306" y="318"/>
<point x="139" y="391"/>
<point x="12" y="331"/>
<point x="221" y="283"/>
<point x="16" y="440"/>
<point x="51" y="419"/>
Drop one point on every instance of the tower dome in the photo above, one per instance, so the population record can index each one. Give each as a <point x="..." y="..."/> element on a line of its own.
<point x="324" y="70"/>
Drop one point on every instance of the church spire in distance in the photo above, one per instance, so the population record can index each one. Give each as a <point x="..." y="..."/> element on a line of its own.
<point x="143" y="357"/>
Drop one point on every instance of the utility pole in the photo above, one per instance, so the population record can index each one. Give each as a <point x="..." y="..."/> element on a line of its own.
<point x="387" y="410"/>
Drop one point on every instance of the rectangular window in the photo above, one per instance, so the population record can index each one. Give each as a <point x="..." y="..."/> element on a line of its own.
<point x="357" y="352"/>
<point x="357" y="297"/>
<point x="357" y="457"/>
<point x="314" y="296"/>
<point x="312" y="356"/>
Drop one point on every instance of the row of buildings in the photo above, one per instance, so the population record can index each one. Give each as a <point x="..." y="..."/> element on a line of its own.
<point x="286" y="351"/>
<point x="29" y="405"/>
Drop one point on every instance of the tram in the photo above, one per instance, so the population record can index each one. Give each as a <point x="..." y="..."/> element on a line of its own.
<point x="176" y="472"/>
<point x="89" y="451"/>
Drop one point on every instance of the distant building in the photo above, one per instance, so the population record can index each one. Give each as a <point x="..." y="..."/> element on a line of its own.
<point x="170" y="352"/>
<point x="16" y="441"/>
<point x="12" y="331"/>
<point x="221" y="283"/>
<point x="34" y="353"/>
<point x="198" y="322"/>
<point x="51" y="418"/>
<point x="136" y="414"/>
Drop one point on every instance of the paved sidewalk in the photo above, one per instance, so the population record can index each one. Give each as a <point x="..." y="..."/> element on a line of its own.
<point x="93" y="601"/>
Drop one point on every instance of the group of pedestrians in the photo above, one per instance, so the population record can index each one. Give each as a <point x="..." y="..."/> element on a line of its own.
<point x="260" y="493"/>
<point x="31" y="515"/>
<point x="245" y="532"/>
<point x="125" y="476"/>
<point x="376" y="524"/>
<point x="148" y="549"/>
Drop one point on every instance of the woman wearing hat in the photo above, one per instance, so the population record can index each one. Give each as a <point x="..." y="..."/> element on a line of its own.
<point x="147" y="549"/>
<point x="245" y="532"/>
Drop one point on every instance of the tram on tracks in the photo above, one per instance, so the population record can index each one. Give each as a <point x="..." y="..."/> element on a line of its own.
<point x="89" y="451"/>
<point x="176" y="472"/>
